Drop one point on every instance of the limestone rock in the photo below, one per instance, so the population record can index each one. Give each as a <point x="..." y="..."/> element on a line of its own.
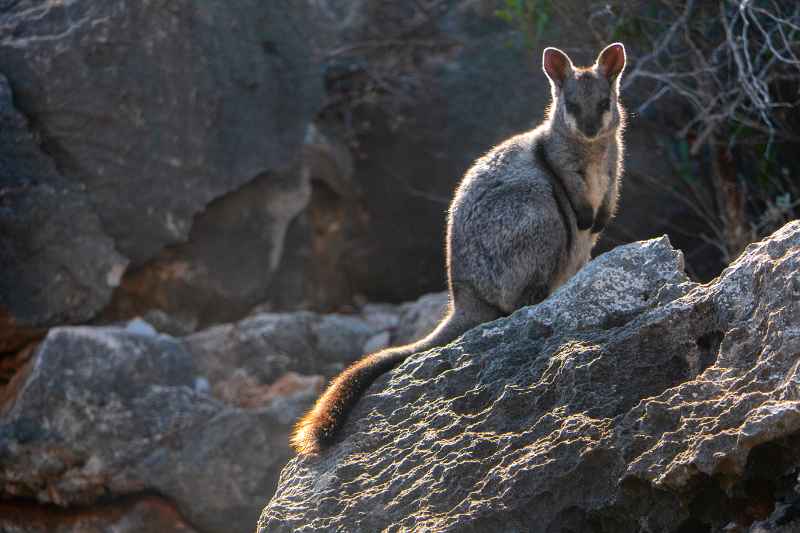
<point x="630" y="400"/>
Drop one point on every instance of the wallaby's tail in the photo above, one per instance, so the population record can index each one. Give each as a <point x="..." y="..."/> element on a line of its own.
<point x="320" y="424"/>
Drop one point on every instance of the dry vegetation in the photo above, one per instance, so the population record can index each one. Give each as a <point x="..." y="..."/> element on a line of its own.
<point x="733" y="69"/>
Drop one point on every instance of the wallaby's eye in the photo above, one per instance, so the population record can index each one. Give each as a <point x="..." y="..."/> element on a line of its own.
<point x="573" y="108"/>
<point x="603" y="104"/>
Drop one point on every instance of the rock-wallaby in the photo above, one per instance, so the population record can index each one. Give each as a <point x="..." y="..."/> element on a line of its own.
<point x="523" y="220"/>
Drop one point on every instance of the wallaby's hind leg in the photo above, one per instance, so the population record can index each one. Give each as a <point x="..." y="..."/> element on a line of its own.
<point x="468" y="309"/>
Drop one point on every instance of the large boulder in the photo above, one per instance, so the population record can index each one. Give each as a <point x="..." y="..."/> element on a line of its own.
<point x="630" y="400"/>
<point x="158" y="109"/>
<point x="164" y="123"/>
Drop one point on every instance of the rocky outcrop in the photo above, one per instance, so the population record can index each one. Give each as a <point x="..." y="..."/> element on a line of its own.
<point x="127" y="429"/>
<point x="630" y="400"/>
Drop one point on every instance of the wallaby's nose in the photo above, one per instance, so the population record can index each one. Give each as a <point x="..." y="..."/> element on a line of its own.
<point x="590" y="126"/>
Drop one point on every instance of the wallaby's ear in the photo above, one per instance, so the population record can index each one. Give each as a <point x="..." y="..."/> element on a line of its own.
<point x="612" y="61"/>
<point x="557" y="65"/>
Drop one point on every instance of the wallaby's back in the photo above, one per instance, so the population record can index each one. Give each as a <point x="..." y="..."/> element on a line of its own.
<point x="511" y="228"/>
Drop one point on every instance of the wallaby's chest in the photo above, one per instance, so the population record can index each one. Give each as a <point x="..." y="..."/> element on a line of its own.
<point x="597" y="176"/>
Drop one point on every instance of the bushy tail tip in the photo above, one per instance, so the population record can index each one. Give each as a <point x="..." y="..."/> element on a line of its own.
<point x="303" y="441"/>
<point x="318" y="427"/>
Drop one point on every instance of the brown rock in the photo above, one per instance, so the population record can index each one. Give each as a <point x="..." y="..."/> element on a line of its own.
<point x="142" y="514"/>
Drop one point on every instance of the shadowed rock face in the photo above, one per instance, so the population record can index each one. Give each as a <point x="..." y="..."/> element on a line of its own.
<point x="50" y="272"/>
<point x="149" y="125"/>
<point x="159" y="109"/>
<point x="203" y="159"/>
<point x="148" y="413"/>
<point x="131" y="515"/>
<point x="630" y="400"/>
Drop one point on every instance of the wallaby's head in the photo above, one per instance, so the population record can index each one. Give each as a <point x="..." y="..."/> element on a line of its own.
<point x="585" y="99"/>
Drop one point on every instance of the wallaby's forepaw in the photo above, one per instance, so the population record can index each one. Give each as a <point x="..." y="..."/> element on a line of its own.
<point x="598" y="226"/>
<point x="601" y="220"/>
<point x="585" y="217"/>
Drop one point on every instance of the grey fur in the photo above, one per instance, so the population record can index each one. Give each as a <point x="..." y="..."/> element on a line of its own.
<point x="523" y="220"/>
<point x="511" y="240"/>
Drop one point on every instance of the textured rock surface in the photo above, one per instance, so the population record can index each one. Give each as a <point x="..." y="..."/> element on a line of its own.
<point x="51" y="273"/>
<point x="631" y="400"/>
<point x="126" y="429"/>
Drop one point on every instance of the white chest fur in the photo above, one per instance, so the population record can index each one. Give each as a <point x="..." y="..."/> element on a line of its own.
<point x="597" y="182"/>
